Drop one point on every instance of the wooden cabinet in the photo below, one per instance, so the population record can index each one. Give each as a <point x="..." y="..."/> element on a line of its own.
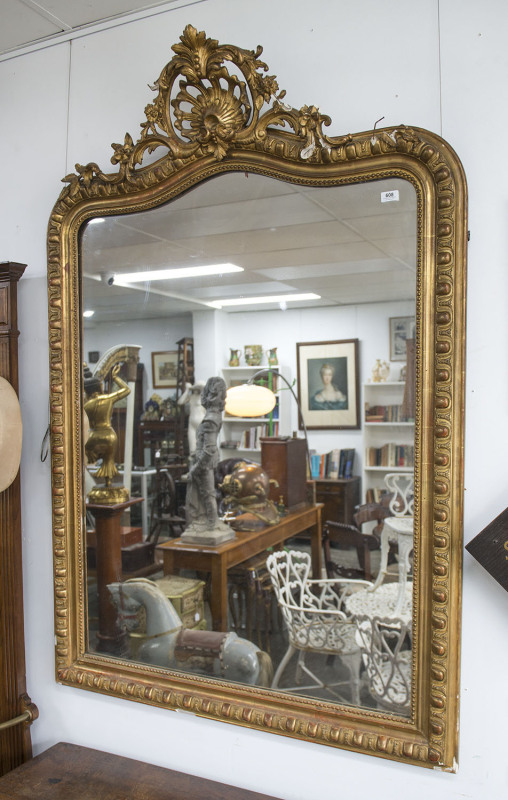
<point x="160" y="436"/>
<point x="16" y="708"/>
<point x="284" y="459"/>
<point x="340" y="497"/>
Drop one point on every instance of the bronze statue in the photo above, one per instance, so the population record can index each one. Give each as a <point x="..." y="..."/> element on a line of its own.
<point x="203" y="523"/>
<point x="102" y="440"/>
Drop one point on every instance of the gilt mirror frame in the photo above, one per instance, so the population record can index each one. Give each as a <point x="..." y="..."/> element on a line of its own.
<point x="217" y="110"/>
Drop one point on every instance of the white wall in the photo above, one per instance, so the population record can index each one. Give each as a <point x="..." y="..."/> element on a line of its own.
<point x="153" y="335"/>
<point x="438" y="65"/>
<point x="283" y="329"/>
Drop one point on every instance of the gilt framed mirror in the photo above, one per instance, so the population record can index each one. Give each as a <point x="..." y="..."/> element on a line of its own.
<point x="237" y="219"/>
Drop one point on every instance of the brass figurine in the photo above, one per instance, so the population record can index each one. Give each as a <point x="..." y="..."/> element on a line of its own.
<point x="102" y="440"/>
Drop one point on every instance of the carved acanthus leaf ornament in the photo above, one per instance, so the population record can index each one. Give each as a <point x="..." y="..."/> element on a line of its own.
<point x="202" y="108"/>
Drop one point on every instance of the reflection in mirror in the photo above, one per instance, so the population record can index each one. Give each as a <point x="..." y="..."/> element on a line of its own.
<point x="313" y="592"/>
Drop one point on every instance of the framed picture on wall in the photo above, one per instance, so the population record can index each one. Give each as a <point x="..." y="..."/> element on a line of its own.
<point x="401" y="328"/>
<point x="164" y="369"/>
<point x="328" y="384"/>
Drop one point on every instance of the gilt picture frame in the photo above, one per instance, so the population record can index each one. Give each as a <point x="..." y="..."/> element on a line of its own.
<point x="401" y="328"/>
<point x="328" y="384"/>
<point x="164" y="369"/>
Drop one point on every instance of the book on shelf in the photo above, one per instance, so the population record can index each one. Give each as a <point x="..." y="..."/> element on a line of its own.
<point x="333" y="465"/>
<point x="250" y="437"/>
<point x="315" y="463"/>
<point x="348" y="469"/>
<point x="333" y="468"/>
<point x="390" y="413"/>
<point x="375" y="494"/>
<point x="390" y="455"/>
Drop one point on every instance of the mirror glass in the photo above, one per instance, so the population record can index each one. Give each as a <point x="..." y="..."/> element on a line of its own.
<point x="353" y="249"/>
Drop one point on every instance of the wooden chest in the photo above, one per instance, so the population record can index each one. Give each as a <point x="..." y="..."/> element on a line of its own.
<point x="186" y="594"/>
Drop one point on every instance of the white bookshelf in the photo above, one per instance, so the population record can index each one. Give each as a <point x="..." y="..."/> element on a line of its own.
<point x="396" y="435"/>
<point x="236" y="429"/>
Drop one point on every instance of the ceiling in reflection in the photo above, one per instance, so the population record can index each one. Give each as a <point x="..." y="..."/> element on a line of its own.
<point x="342" y="243"/>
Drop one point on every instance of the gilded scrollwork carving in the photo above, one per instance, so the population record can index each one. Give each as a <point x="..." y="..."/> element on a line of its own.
<point x="216" y="108"/>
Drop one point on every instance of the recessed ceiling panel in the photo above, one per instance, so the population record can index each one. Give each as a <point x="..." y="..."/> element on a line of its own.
<point x="21" y="25"/>
<point x="247" y="215"/>
<point x="385" y="226"/>
<point x="364" y="199"/>
<point x="349" y="251"/>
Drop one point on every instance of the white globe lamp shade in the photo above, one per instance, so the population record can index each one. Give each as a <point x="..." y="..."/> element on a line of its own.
<point x="249" y="400"/>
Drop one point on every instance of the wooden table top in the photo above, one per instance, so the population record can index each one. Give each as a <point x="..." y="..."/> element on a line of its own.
<point x="70" y="772"/>
<point x="291" y="523"/>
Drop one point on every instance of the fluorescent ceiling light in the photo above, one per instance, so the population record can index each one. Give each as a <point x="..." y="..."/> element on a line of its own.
<point x="177" y="272"/>
<point x="271" y="298"/>
<point x="96" y="220"/>
<point x="88" y="314"/>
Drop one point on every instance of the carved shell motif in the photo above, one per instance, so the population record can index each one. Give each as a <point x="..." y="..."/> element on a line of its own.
<point x="202" y="108"/>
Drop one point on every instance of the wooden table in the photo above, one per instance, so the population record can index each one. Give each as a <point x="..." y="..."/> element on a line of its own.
<point x="178" y="554"/>
<point x="70" y="772"/>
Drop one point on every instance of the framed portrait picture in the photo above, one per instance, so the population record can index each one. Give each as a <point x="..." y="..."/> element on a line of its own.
<point x="328" y="384"/>
<point x="401" y="328"/>
<point x="164" y="369"/>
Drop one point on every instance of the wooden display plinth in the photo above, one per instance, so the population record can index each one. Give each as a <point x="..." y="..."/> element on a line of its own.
<point x="285" y="460"/>
<point x="110" y="639"/>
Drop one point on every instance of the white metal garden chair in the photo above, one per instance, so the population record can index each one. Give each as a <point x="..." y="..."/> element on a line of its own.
<point x="398" y="529"/>
<point x="316" y="620"/>
<point x="386" y="654"/>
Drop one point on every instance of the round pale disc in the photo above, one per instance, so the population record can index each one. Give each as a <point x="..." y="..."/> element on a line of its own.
<point x="11" y="430"/>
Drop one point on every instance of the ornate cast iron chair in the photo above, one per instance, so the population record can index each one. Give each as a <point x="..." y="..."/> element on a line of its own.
<point x="398" y="528"/>
<point x="316" y="620"/>
<point x="386" y="655"/>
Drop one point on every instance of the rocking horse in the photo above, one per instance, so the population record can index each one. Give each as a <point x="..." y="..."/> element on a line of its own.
<point x="167" y="643"/>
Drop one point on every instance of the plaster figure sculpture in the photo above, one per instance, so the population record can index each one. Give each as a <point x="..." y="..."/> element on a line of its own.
<point x="166" y="643"/>
<point x="102" y="439"/>
<point x="192" y="397"/>
<point x="203" y="523"/>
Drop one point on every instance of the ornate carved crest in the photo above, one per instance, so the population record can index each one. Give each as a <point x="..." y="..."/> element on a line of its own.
<point x="212" y="98"/>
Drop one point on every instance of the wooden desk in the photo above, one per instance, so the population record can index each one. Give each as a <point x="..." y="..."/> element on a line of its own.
<point x="178" y="554"/>
<point x="70" y="772"/>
